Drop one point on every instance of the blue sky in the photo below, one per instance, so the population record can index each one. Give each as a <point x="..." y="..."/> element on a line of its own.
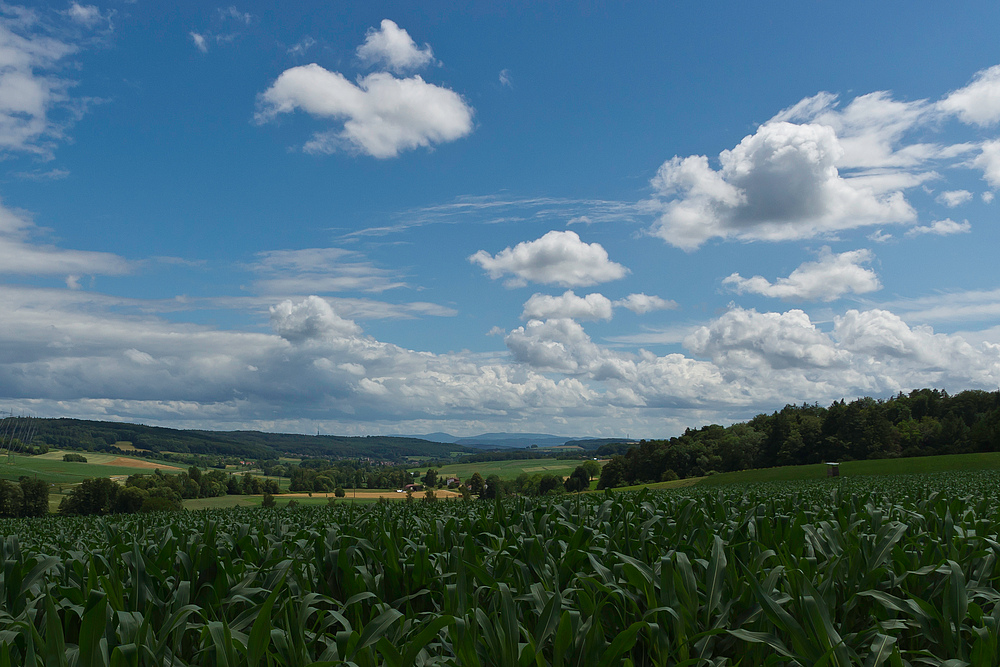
<point x="568" y="218"/>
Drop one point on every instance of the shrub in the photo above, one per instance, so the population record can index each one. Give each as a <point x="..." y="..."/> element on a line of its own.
<point x="158" y="504"/>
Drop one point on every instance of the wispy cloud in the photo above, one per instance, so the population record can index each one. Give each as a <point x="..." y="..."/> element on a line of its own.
<point x="496" y="209"/>
<point x="200" y="42"/>
<point x="23" y="253"/>
<point x="320" y="271"/>
<point x="38" y="175"/>
<point x="299" y="48"/>
<point x="950" y="306"/>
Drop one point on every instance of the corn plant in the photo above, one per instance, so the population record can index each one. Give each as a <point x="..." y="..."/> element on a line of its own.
<point x="879" y="571"/>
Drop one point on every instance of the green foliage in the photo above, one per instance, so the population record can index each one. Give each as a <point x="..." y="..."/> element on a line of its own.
<point x="160" y="503"/>
<point x="857" y="571"/>
<point x="578" y="481"/>
<point x="130" y="500"/>
<point x="476" y="484"/>
<point x="339" y="492"/>
<point x="323" y="476"/>
<point x="29" y="497"/>
<point x="510" y="470"/>
<point x="924" y="422"/>
<point x="93" y="496"/>
<point x="493" y="487"/>
<point x="144" y="493"/>
<point x="592" y="468"/>
<point x="73" y="457"/>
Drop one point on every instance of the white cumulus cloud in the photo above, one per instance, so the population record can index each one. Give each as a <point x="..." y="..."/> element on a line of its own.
<point x="382" y="115"/>
<point x="392" y="47"/>
<point x="867" y="352"/>
<point x="780" y="183"/>
<point x="745" y="338"/>
<point x="312" y="318"/>
<point x="642" y="303"/>
<point x="953" y="198"/>
<point x="870" y="129"/>
<point x="77" y="354"/>
<point x="979" y="102"/>
<point x="568" y="305"/>
<point x="819" y="167"/>
<point x="989" y="161"/>
<point x="830" y="277"/>
<point x="944" y="227"/>
<point x="558" y="258"/>
<point x="559" y="345"/>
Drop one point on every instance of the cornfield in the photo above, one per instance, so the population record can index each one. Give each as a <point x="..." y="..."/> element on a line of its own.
<point x="893" y="571"/>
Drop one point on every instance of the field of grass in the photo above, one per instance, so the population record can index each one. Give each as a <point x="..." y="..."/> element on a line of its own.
<point x="507" y="469"/>
<point x="915" y="465"/>
<point x="127" y="446"/>
<point x="99" y="458"/>
<point x="222" y="502"/>
<point x="877" y="570"/>
<point x="362" y="496"/>
<point x="658" y="486"/>
<point x="54" y="469"/>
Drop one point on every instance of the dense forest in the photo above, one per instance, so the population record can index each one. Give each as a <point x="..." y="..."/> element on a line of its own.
<point x="102" y="436"/>
<point x="922" y="423"/>
<point x="317" y="475"/>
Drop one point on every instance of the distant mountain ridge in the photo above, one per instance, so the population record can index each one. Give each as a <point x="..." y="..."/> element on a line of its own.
<point x="514" y="440"/>
<point x="102" y="435"/>
<point x="98" y="435"/>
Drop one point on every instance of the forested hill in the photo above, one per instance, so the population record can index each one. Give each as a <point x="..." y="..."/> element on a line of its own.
<point x="97" y="435"/>
<point x="922" y="423"/>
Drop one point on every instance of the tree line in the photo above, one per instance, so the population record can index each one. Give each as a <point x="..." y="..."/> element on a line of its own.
<point x="101" y="436"/>
<point x="158" y="492"/>
<point x="924" y="422"/>
<point x="323" y="476"/>
<point x="27" y="497"/>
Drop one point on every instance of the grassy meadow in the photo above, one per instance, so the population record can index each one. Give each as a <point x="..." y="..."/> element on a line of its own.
<point x="507" y="469"/>
<point x="904" y="466"/>
<point x="52" y="468"/>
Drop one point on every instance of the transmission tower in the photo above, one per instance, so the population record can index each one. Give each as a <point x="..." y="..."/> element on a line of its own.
<point x="15" y="434"/>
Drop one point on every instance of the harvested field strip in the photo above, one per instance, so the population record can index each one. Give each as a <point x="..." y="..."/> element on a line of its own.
<point x="124" y="462"/>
